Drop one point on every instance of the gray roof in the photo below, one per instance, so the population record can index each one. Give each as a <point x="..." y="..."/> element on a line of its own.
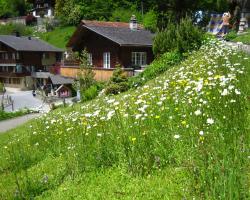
<point x="60" y="80"/>
<point x="124" y="36"/>
<point x="26" y="44"/>
<point x="41" y="74"/>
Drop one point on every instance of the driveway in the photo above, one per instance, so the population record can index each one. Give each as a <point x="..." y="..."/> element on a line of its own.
<point x="25" y="99"/>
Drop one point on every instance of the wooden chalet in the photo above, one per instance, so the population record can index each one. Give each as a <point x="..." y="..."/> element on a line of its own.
<point x="27" y="62"/>
<point x="109" y="44"/>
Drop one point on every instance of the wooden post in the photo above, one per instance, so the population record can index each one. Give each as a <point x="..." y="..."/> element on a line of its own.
<point x="64" y="102"/>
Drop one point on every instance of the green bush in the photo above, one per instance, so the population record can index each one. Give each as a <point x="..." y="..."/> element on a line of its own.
<point x="1" y="87"/>
<point x="8" y="115"/>
<point x="183" y="38"/>
<point x="231" y="35"/>
<point x="9" y="29"/>
<point x="118" y="82"/>
<point x="89" y="93"/>
<point x="159" y="66"/>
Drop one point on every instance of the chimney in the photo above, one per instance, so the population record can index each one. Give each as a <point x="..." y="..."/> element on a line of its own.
<point x="133" y="23"/>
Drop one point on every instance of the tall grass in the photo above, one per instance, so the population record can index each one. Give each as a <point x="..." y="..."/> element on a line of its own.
<point x="193" y="120"/>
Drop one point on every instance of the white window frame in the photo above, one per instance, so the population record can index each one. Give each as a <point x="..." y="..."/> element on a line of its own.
<point x="139" y="58"/>
<point x="106" y="60"/>
<point x="90" y="58"/>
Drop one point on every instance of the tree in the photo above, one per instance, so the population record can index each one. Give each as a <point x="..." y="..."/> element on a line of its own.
<point x="150" y="20"/>
<point x="86" y="75"/>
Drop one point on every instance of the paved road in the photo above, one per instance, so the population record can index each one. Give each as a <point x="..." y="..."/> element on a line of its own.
<point x="25" y="99"/>
<point x="13" y="123"/>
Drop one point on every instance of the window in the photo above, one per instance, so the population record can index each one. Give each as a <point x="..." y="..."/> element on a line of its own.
<point x="13" y="56"/>
<point x="139" y="58"/>
<point x="16" y="81"/>
<point x="106" y="60"/>
<point x="17" y="56"/>
<point x="6" y="56"/>
<point x="45" y="55"/>
<point x="90" y="59"/>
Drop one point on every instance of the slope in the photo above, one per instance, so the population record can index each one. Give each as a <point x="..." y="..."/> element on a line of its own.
<point x="183" y="135"/>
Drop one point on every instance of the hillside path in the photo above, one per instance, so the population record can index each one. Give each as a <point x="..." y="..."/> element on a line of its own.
<point x="240" y="46"/>
<point x="13" y="123"/>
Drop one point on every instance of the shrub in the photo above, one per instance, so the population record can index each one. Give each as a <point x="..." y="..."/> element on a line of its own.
<point x="231" y="35"/>
<point x="118" y="82"/>
<point x="9" y="29"/>
<point x="183" y="38"/>
<point x="1" y="87"/>
<point x="89" y="93"/>
<point x="8" y="115"/>
<point x="85" y="75"/>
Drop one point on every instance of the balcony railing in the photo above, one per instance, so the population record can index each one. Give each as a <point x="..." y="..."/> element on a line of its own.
<point x="71" y="63"/>
<point x="8" y="61"/>
<point x="14" y="74"/>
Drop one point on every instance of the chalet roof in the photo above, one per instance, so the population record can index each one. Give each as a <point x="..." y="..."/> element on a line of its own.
<point x="26" y="44"/>
<point x="41" y="74"/>
<point x="118" y="32"/>
<point x="60" y="80"/>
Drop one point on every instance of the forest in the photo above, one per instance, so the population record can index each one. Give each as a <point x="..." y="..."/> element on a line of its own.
<point x="153" y="13"/>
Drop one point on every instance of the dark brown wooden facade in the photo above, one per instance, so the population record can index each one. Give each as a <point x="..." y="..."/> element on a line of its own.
<point x="16" y="67"/>
<point x="97" y="45"/>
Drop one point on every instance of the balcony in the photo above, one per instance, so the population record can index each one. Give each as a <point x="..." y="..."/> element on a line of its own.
<point x="8" y="61"/>
<point x="71" y="63"/>
<point x="13" y="74"/>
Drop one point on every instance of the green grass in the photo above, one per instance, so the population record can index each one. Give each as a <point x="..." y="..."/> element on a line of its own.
<point x="8" y="115"/>
<point x="59" y="36"/>
<point x="245" y="38"/>
<point x="183" y="135"/>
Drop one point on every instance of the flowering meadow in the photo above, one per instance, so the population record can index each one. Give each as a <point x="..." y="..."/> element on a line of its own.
<point x="183" y="135"/>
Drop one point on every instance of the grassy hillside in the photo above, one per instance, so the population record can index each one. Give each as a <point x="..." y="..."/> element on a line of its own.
<point x="183" y="135"/>
<point x="59" y="36"/>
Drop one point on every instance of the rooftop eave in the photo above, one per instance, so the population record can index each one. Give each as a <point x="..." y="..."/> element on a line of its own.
<point x="136" y="45"/>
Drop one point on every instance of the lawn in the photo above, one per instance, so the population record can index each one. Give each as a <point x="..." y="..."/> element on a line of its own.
<point x="58" y="37"/>
<point x="245" y="38"/>
<point x="183" y="135"/>
<point x="8" y="115"/>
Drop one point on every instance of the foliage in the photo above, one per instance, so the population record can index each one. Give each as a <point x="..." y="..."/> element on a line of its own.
<point x="150" y="21"/>
<point x="231" y="35"/>
<point x="124" y="15"/>
<point x="244" y="38"/>
<point x="13" y="8"/>
<point x="8" y="115"/>
<point x="182" y="38"/>
<point x="170" y="139"/>
<point x="85" y="77"/>
<point x="10" y="29"/>
<point x="90" y="93"/>
<point x="1" y="87"/>
<point x="159" y="66"/>
<point x="118" y="82"/>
